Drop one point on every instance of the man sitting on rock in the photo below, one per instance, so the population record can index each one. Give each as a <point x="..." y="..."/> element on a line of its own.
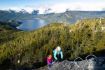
<point x="58" y="54"/>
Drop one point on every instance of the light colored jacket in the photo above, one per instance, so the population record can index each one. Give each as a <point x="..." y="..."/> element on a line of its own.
<point x="55" y="53"/>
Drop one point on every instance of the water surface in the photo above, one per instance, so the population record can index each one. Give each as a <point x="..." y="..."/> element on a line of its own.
<point x="31" y="24"/>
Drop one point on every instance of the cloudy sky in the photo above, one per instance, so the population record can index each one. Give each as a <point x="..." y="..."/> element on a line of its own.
<point x="55" y="5"/>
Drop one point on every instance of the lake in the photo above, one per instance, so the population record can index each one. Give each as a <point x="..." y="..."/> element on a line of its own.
<point x="31" y="24"/>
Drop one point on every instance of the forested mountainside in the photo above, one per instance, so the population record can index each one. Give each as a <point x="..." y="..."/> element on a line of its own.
<point x="80" y="39"/>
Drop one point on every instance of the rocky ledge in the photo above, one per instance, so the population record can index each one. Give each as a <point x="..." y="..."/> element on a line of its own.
<point x="90" y="64"/>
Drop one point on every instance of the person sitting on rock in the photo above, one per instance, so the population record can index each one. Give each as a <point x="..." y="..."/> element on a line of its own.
<point x="49" y="60"/>
<point x="58" y="54"/>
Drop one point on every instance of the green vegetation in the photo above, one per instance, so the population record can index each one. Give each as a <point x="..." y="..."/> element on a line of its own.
<point x="84" y="37"/>
<point x="6" y="32"/>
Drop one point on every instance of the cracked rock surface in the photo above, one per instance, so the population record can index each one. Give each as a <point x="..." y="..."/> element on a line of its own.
<point x="91" y="64"/>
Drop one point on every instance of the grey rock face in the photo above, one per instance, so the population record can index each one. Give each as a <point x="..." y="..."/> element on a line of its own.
<point x="91" y="64"/>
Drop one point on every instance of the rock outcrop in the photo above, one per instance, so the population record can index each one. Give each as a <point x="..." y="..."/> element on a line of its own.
<point x="91" y="64"/>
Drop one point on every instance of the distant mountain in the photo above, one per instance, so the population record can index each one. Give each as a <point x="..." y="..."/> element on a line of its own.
<point x="71" y="16"/>
<point x="50" y="16"/>
<point x="15" y="16"/>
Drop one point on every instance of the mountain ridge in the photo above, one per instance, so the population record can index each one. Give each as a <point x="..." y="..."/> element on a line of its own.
<point x="67" y="16"/>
